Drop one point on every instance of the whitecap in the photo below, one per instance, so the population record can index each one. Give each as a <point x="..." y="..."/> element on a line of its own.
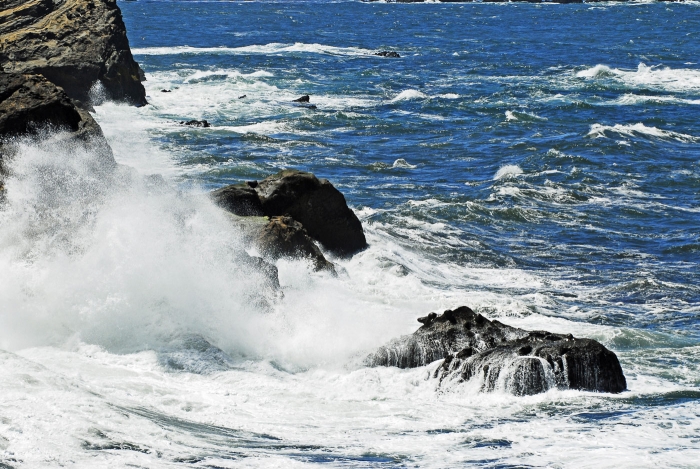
<point x="636" y="130"/>
<point x="507" y="172"/>
<point x="407" y="95"/>
<point x="401" y="163"/>
<point x="655" y="77"/>
<point x="272" y="48"/>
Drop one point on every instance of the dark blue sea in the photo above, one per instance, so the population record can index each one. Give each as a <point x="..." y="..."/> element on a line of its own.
<point x="539" y="163"/>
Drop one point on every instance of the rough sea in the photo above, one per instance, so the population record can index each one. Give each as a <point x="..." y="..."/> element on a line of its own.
<point x="539" y="163"/>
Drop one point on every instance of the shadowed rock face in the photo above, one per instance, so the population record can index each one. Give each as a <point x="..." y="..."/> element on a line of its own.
<point x="73" y="43"/>
<point x="317" y="205"/>
<point x="284" y="236"/>
<point x="30" y="104"/>
<point x="239" y="199"/>
<point x="313" y="202"/>
<point x="503" y="357"/>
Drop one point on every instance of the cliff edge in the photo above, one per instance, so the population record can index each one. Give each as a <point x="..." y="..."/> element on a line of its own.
<point x="74" y="44"/>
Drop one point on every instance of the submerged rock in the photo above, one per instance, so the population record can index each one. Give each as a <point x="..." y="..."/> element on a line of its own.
<point x="503" y="357"/>
<point x="196" y="123"/>
<point x="73" y="43"/>
<point x="192" y="353"/>
<point x="284" y="236"/>
<point x="390" y="54"/>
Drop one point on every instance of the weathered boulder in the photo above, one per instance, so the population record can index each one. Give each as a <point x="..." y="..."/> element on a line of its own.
<point x="503" y="357"/>
<point x="313" y="202"/>
<point x="286" y="237"/>
<point x="317" y="205"/>
<point x="239" y="199"/>
<point x="73" y="43"/>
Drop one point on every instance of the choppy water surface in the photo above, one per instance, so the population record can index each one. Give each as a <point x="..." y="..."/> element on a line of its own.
<point x="539" y="163"/>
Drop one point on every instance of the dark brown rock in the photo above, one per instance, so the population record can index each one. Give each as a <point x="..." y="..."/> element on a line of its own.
<point x="317" y="205"/>
<point x="239" y="199"/>
<point x="73" y="43"/>
<point x="522" y="362"/>
<point x="286" y="237"/>
<point x="30" y="104"/>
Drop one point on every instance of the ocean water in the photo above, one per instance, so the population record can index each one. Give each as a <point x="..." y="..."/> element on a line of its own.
<point x="539" y="163"/>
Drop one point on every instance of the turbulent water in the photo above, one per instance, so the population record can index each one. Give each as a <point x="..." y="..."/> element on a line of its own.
<point x="538" y="163"/>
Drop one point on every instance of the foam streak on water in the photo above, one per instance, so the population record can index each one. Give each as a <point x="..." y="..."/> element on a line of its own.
<point x="544" y="176"/>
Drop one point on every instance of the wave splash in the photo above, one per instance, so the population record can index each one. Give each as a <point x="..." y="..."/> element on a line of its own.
<point x="655" y="77"/>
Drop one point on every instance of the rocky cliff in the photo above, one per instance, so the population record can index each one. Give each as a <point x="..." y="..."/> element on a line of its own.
<point x="73" y="43"/>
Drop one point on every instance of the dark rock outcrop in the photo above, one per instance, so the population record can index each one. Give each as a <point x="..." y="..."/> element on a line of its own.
<point x="317" y="205"/>
<point x="30" y="104"/>
<point x="196" y="123"/>
<point x="73" y="43"/>
<point x="313" y="202"/>
<point x="500" y="356"/>
<point x="389" y="54"/>
<point x="239" y="199"/>
<point x="284" y="236"/>
<point x="303" y="99"/>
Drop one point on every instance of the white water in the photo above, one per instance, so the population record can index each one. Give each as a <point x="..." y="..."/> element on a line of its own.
<point x="98" y="275"/>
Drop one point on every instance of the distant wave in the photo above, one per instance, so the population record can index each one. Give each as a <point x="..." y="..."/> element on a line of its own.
<point x="508" y="171"/>
<point x="636" y="130"/>
<point x="407" y="95"/>
<point x="272" y="48"/>
<point x="663" y="78"/>
<point x="629" y="99"/>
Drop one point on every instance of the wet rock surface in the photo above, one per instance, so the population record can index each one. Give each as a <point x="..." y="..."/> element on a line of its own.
<point x="284" y="236"/>
<point x="239" y="199"/>
<point x="317" y="205"/>
<point x="73" y="43"/>
<point x="32" y="105"/>
<point x="503" y="357"/>
<point x="313" y="202"/>
<point x="389" y="54"/>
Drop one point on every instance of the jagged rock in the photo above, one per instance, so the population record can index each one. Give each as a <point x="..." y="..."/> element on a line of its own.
<point x="390" y="54"/>
<point x="284" y="236"/>
<point x="30" y="104"/>
<point x="196" y="123"/>
<point x="73" y="43"/>
<point x="303" y="99"/>
<point x="317" y="205"/>
<point x="239" y="199"/>
<point x="503" y="357"/>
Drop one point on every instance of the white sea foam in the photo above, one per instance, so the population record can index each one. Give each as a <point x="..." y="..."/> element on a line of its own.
<point x="508" y="171"/>
<point x="656" y="77"/>
<point x="401" y="163"/>
<point x="272" y="48"/>
<point x="639" y="130"/>
<point x="408" y="95"/>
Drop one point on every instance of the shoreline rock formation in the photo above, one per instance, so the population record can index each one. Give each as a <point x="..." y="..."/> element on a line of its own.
<point x="74" y="44"/>
<point x="503" y="357"/>
<point x="53" y="52"/>
<point x="313" y="202"/>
